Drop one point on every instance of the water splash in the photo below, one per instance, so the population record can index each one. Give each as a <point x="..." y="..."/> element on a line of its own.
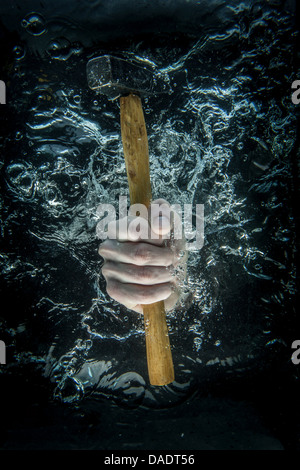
<point x="222" y="139"/>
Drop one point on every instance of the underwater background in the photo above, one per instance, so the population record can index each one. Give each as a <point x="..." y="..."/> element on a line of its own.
<point x="226" y="137"/>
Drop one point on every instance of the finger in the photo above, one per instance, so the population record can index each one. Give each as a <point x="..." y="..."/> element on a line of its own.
<point x="169" y="303"/>
<point x="129" y="273"/>
<point x="166" y="220"/>
<point x="160" y="217"/>
<point x="176" y="237"/>
<point x="139" y="253"/>
<point x="132" y="229"/>
<point x="134" y="294"/>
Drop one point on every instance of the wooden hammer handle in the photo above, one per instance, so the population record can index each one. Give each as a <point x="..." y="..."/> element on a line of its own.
<point x="136" y="153"/>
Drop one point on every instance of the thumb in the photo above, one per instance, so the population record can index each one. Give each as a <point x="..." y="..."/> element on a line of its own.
<point x="160" y="218"/>
<point x="161" y="225"/>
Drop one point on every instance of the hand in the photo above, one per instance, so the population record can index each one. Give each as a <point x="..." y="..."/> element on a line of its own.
<point x="142" y="270"/>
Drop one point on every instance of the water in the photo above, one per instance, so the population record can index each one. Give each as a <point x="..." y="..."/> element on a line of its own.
<point x="226" y="137"/>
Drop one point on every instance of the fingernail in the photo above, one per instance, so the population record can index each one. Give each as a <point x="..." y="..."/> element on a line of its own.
<point x="161" y="225"/>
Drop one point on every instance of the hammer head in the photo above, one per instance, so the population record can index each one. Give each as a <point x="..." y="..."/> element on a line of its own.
<point x="116" y="77"/>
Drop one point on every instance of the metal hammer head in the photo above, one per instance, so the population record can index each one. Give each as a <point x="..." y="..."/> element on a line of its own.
<point x="116" y="77"/>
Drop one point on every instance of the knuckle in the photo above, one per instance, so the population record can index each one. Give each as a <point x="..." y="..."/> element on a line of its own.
<point x="142" y="255"/>
<point x="143" y="274"/>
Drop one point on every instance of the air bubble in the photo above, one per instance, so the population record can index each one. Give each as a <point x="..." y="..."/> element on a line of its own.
<point x="77" y="99"/>
<point x="34" y="24"/>
<point x="19" y="52"/>
<point x="60" y="49"/>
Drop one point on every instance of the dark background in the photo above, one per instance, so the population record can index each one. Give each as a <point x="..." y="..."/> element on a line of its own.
<point x="257" y="409"/>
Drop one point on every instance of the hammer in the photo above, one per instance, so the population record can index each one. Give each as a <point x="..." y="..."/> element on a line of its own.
<point x="119" y="78"/>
